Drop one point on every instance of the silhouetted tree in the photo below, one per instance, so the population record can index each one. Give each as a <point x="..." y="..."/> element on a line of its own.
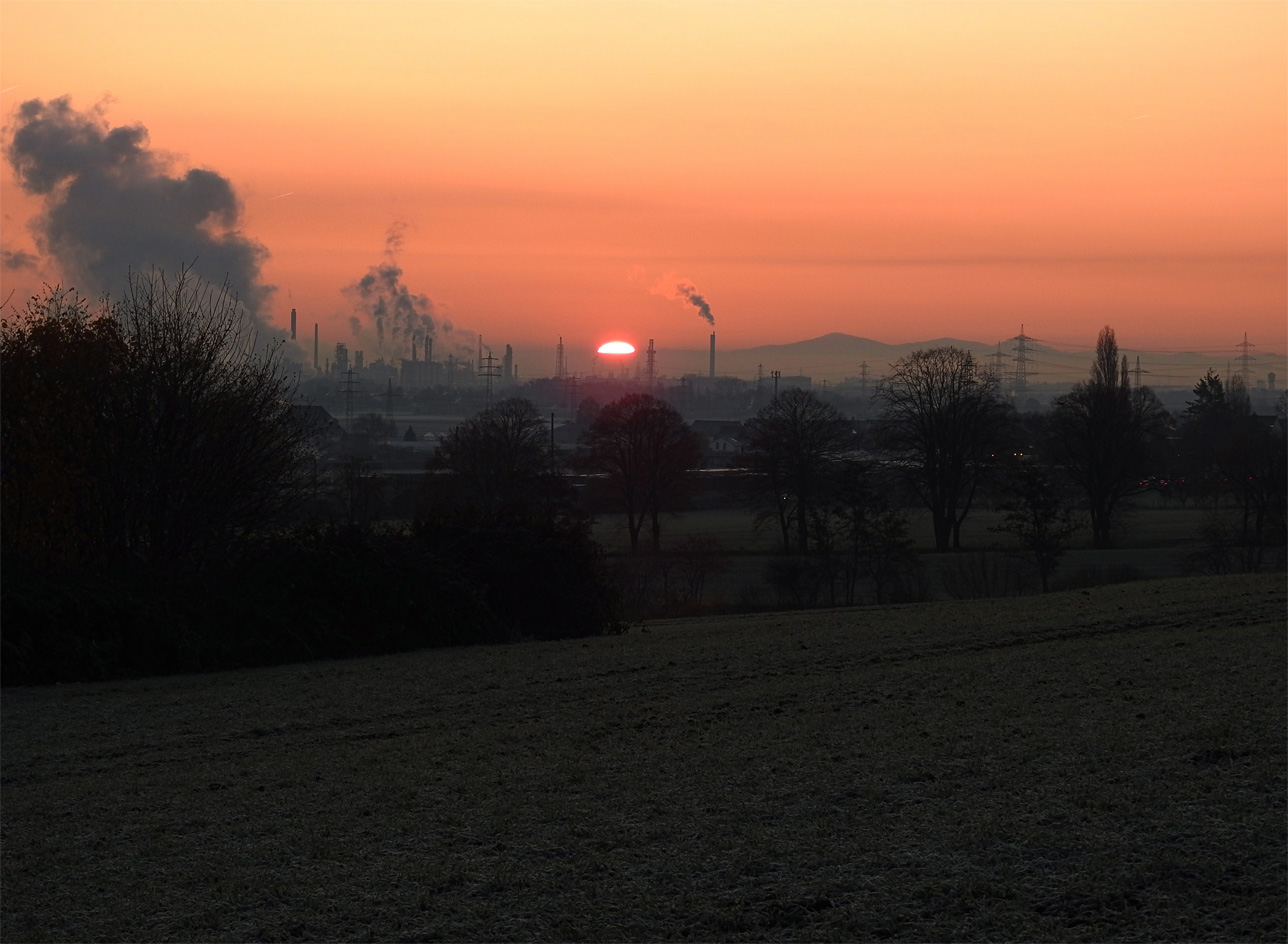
<point x="358" y="489"/>
<point x="61" y="434"/>
<point x="497" y="462"/>
<point x="860" y="534"/>
<point x="1037" y="517"/>
<point x="792" y="443"/>
<point x="1229" y="451"/>
<point x="698" y="558"/>
<point x="942" y="425"/>
<point x="157" y="429"/>
<point x="646" y="453"/>
<point x="1103" y="435"/>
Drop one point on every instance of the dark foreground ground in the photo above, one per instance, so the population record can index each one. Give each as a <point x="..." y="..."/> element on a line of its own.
<point x="1098" y="765"/>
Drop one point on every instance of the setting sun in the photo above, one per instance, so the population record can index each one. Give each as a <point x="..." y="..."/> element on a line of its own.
<point x="617" y="347"/>
<point x="896" y="171"/>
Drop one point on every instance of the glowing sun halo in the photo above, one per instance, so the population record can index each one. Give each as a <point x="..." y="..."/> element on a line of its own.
<point x="617" y="347"/>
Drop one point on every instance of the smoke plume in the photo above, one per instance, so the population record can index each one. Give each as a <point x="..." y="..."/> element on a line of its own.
<point x="386" y="306"/>
<point x="683" y="289"/>
<point x="17" y="260"/>
<point x="112" y="205"/>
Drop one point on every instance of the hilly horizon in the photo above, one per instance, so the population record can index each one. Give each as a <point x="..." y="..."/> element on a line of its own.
<point x="838" y="355"/>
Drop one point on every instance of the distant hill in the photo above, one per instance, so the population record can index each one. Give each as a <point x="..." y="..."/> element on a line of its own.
<point x="836" y="356"/>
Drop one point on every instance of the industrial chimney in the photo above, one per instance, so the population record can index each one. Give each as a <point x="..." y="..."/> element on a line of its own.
<point x="292" y="324"/>
<point x="713" y="355"/>
<point x="315" y="346"/>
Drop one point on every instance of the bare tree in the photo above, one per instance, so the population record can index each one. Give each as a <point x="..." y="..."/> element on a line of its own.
<point x="1037" y="518"/>
<point x="1103" y="434"/>
<point x="499" y="461"/>
<point x="190" y="442"/>
<point x="792" y="443"/>
<point x="862" y="534"/>
<point x="646" y="453"/>
<point x="220" y="449"/>
<point x="942" y="424"/>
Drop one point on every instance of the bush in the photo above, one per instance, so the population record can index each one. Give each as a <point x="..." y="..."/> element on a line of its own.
<point x="306" y="593"/>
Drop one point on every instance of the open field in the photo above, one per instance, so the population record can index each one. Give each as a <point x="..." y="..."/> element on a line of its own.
<point x="1105" y="764"/>
<point x="1154" y="543"/>
<point x="734" y="528"/>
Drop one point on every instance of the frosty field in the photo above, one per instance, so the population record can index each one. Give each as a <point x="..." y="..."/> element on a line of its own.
<point x="1106" y="764"/>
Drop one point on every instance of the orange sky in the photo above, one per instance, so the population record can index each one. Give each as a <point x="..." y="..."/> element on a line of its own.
<point x="902" y="171"/>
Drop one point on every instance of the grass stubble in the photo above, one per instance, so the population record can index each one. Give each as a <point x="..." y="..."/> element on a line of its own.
<point x="1095" y="765"/>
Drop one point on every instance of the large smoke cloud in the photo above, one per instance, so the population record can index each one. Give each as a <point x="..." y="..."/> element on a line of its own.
<point x="385" y="306"/>
<point x="682" y="289"/>
<point x="112" y="206"/>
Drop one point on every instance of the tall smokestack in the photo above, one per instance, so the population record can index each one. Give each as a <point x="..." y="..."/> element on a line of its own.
<point x="713" y="355"/>
<point x="292" y="324"/>
<point x="315" y="346"/>
<point x="429" y="349"/>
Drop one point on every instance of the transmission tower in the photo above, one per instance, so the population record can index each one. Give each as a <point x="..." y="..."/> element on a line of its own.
<point x="863" y="380"/>
<point x="652" y="365"/>
<point x="1022" y="371"/>
<point x="489" y="369"/>
<point x="560" y="366"/>
<point x="1245" y="360"/>
<point x="1138" y="371"/>
<point x="997" y="358"/>
<point x="349" y="386"/>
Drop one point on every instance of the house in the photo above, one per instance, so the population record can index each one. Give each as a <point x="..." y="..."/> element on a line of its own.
<point x="722" y="441"/>
<point x="322" y="430"/>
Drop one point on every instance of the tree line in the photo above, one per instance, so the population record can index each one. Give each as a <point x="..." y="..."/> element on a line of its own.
<point x="156" y="512"/>
<point x="156" y="484"/>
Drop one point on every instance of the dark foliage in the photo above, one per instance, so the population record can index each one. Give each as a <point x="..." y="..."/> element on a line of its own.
<point x="1227" y="454"/>
<point x="157" y="428"/>
<point x="150" y="461"/>
<point x="1037" y="517"/>
<point x="1104" y="437"/>
<point x="308" y="594"/>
